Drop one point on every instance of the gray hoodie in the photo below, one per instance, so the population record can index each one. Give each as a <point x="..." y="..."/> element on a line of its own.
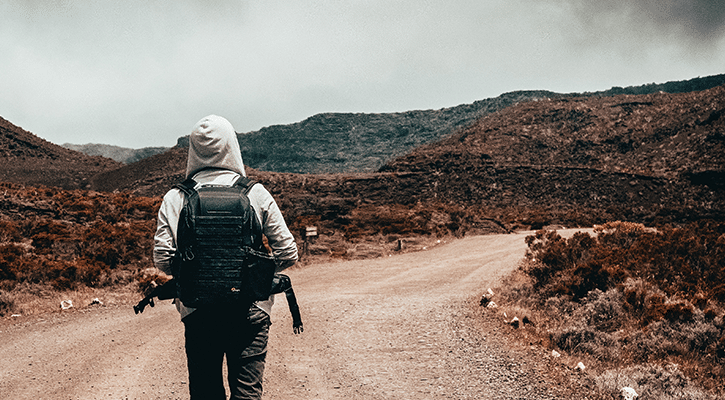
<point x="215" y="158"/>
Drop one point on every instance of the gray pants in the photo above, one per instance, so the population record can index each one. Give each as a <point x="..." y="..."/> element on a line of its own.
<point x="238" y="334"/>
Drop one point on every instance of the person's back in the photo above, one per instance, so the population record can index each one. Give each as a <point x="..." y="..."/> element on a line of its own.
<point x="238" y="332"/>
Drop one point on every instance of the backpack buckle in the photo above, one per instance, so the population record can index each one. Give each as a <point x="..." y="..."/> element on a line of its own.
<point x="188" y="254"/>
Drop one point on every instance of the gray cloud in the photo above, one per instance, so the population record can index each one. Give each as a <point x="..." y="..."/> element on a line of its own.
<point x="690" y="22"/>
<point x="139" y="73"/>
<point x="700" y="20"/>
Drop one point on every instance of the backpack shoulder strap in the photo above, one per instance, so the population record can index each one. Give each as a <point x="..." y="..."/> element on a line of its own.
<point x="245" y="183"/>
<point x="186" y="186"/>
<point x="189" y="184"/>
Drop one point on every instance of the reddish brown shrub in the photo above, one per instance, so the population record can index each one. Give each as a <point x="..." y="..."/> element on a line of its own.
<point x="62" y="275"/>
<point x="117" y="244"/>
<point x="67" y="250"/>
<point x="9" y="231"/>
<point x="135" y="207"/>
<point x="684" y="262"/>
<point x="643" y="301"/>
<point x="388" y="219"/>
<point x="10" y="259"/>
<point x="589" y="276"/>
<point x="7" y="303"/>
<point x="553" y="255"/>
<point x="679" y="311"/>
<point x="45" y="232"/>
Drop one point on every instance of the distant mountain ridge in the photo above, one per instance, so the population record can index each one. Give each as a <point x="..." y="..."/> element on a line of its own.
<point x="121" y="154"/>
<point x="362" y="142"/>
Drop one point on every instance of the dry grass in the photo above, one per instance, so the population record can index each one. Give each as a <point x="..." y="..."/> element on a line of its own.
<point x="628" y="330"/>
<point x="651" y="381"/>
<point x="37" y="299"/>
<point x="332" y="245"/>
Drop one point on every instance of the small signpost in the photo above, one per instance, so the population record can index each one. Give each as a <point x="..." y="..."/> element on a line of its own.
<point x="309" y="234"/>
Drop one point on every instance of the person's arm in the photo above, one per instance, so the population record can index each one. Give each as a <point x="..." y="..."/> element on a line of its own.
<point x="275" y="228"/>
<point x="165" y="237"/>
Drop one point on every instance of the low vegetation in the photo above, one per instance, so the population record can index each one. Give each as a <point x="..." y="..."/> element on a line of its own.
<point x="57" y="244"/>
<point x="54" y="241"/>
<point x="643" y="306"/>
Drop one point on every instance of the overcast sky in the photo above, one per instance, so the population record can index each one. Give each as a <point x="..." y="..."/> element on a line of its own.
<point x="139" y="73"/>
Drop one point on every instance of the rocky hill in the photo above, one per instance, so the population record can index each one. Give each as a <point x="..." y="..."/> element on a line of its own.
<point x="653" y="158"/>
<point x="350" y="143"/>
<point x="28" y="159"/>
<point x="646" y="156"/>
<point x="347" y="142"/>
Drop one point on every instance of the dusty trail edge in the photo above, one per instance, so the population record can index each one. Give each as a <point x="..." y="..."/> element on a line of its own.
<point x="402" y="327"/>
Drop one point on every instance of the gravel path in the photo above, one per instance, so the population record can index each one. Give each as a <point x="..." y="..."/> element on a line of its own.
<point x="403" y="327"/>
<point x="407" y="327"/>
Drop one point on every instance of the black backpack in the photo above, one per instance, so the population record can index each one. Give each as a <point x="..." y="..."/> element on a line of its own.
<point x="221" y="258"/>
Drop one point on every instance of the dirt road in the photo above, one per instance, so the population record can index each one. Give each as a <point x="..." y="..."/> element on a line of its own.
<point x="402" y="327"/>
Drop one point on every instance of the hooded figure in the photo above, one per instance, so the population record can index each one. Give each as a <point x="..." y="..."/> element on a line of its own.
<point x="213" y="144"/>
<point x="212" y="333"/>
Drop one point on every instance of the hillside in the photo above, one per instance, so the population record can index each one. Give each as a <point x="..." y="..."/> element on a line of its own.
<point x="652" y="158"/>
<point x="660" y="135"/>
<point x="28" y="159"/>
<point x="150" y="176"/>
<point x="357" y="142"/>
<point x="648" y="156"/>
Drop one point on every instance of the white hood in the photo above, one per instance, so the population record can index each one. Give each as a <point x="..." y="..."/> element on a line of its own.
<point x="213" y="144"/>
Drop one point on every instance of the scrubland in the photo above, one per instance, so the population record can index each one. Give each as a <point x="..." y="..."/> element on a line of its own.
<point x="639" y="307"/>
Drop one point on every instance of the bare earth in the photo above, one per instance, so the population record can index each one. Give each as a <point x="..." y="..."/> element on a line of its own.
<point x="403" y="327"/>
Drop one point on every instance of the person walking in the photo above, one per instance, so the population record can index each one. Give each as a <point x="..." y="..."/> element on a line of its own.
<point x="239" y="333"/>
